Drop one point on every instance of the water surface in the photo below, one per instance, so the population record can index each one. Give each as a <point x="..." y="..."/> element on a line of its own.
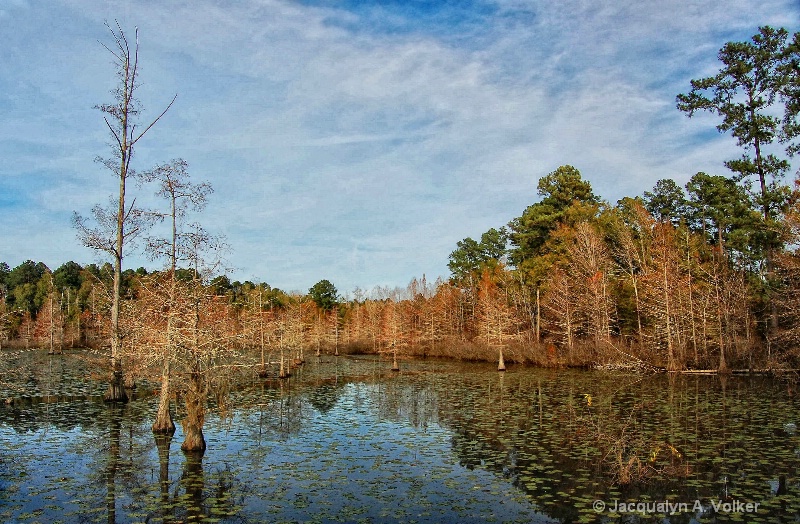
<point x="346" y="440"/>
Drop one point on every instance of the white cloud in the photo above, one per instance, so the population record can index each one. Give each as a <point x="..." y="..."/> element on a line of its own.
<point x="339" y="151"/>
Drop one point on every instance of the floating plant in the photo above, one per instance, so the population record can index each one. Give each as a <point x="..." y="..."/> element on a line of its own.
<point x="350" y="441"/>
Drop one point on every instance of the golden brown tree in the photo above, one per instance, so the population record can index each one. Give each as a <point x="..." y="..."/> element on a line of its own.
<point x="175" y="186"/>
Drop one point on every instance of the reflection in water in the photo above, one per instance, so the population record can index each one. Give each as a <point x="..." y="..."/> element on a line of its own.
<point x="193" y="483"/>
<point x="115" y="424"/>
<point x="163" y="442"/>
<point x="345" y="439"/>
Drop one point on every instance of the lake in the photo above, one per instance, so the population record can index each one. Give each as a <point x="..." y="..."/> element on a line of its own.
<point x="347" y="440"/>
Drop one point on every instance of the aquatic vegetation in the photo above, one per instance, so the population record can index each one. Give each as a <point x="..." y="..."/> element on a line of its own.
<point x="348" y="440"/>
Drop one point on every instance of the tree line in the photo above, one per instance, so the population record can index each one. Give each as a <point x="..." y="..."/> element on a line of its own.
<point x="679" y="277"/>
<point x="675" y="278"/>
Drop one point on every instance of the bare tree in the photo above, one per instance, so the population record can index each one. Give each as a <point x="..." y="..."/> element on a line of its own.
<point x="662" y="281"/>
<point x="123" y="219"/>
<point x="632" y="251"/>
<point x="202" y="341"/>
<point x="392" y="336"/>
<point x="590" y="267"/>
<point x="175" y="186"/>
<point x="493" y="315"/>
<point x="559" y="305"/>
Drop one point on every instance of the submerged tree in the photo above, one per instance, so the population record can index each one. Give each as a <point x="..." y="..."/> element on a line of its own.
<point x="175" y="186"/>
<point x="494" y="317"/>
<point x="203" y="345"/>
<point x="122" y="221"/>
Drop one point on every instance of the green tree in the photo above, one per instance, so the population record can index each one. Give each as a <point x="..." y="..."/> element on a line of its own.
<point x="566" y="197"/>
<point x="324" y="295"/>
<point x="29" y="272"/>
<point x="471" y="257"/>
<point x="26" y="297"/>
<point x="4" y="271"/>
<point x="720" y="209"/>
<point x="667" y="201"/>
<point x="745" y="94"/>
<point x="22" y="282"/>
<point x="221" y="285"/>
<point x="68" y="275"/>
<point x="790" y="95"/>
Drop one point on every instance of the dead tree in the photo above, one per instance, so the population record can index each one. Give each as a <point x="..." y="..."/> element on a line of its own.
<point x="122" y="222"/>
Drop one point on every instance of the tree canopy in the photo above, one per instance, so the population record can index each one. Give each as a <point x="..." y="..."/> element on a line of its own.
<point x="565" y="196"/>
<point x="746" y="93"/>
<point x="324" y="294"/>
<point x="471" y="257"/>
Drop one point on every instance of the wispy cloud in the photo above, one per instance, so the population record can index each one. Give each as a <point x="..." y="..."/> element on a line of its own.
<point x="359" y="141"/>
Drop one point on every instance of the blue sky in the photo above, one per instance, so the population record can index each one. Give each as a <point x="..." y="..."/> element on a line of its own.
<point x="356" y="141"/>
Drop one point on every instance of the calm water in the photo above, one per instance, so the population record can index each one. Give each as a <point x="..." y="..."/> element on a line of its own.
<point x="346" y="440"/>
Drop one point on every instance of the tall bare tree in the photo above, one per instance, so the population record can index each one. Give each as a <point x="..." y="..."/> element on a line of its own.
<point x="590" y="267"/>
<point x="123" y="218"/>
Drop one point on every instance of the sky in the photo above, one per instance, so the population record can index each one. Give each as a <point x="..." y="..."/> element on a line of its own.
<point x="355" y="141"/>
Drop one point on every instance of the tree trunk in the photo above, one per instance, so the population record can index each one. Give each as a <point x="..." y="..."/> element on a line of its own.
<point x="164" y="424"/>
<point x="52" y="320"/>
<point x="282" y="373"/>
<point x="538" y="317"/>
<point x="194" y="441"/>
<point x="116" y="390"/>
<point x="671" y="363"/>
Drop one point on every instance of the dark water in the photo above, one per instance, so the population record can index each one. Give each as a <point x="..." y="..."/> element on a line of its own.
<point x="346" y="440"/>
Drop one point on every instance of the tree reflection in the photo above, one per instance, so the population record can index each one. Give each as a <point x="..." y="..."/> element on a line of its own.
<point x="112" y="464"/>
<point x="163" y="442"/>
<point x="193" y="482"/>
<point x="548" y="433"/>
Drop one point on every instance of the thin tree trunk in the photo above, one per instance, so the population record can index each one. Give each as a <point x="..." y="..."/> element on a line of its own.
<point x="723" y="364"/>
<point x="116" y="390"/>
<point x="538" y="317"/>
<point x="691" y="303"/>
<point x="671" y="364"/>
<point x="52" y="320"/>
<point x="164" y="423"/>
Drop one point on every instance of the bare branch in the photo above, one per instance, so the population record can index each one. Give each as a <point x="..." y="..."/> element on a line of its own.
<point x="154" y="121"/>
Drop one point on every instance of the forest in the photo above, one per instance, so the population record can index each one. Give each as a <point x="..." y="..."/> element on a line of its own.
<point x="696" y="277"/>
<point x="675" y="279"/>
